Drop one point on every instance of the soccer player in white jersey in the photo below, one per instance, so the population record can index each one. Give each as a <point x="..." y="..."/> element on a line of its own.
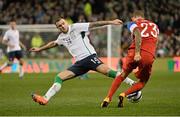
<point x="11" y="40"/>
<point x="74" y="38"/>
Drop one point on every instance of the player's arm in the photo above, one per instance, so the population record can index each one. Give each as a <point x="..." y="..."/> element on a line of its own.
<point x="157" y="42"/>
<point x="133" y="28"/>
<point x="22" y="45"/>
<point x="45" y="47"/>
<point x="1" y="39"/>
<point x="102" y="23"/>
<point x="6" y="42"/>
<point x="138" y="42"/>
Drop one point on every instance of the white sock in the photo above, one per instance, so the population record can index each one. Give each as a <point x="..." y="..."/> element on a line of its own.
<point x="21" y="71"/>
<point x="52" y="91"/>
<point x="129" y="81"/>
<point x="3" y="66"/>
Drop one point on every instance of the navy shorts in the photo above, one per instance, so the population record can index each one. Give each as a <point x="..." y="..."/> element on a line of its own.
<point x="15" y="54"/>
<point x="83" y="66"/>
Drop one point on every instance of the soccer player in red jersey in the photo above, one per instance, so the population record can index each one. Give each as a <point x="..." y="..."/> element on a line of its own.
<point x="141" y="54"/>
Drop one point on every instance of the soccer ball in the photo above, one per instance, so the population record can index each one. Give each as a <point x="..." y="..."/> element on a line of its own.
<point x="134" y="97"/>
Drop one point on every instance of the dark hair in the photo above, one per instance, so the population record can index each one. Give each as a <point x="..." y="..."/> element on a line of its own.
<point x="138" y="13"/>
<point x="58" y="19"/>
<point x="12" y="20"/>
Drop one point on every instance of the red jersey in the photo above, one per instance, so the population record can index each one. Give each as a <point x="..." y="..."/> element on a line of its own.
<point x="149" y="32"/>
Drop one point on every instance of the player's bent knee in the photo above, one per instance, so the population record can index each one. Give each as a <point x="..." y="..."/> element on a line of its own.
<point x="21" y="62"/>
<point x="10" y="63"/>
<point x="104" y="69"/>
<point x="66" y="75"/>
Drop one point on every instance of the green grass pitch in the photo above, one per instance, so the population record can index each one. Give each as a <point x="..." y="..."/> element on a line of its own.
<point x="161" y="96"/>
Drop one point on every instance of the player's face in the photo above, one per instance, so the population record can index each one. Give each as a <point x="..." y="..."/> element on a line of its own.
<point x="62" y="25"/>
<point x="133" y="19"/>
<point x="13" y="25"/>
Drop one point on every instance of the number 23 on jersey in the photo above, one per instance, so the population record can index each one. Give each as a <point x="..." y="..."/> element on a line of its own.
<point x="149" y="29"/>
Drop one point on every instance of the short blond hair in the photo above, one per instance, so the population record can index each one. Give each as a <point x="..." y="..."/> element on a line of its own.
<point x="138" y="13"/>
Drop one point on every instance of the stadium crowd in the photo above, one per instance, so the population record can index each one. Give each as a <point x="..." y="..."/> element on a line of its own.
<point x="166" y="16"/>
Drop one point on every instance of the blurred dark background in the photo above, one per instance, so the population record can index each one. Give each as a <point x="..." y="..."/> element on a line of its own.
<point x="165" y="13"/>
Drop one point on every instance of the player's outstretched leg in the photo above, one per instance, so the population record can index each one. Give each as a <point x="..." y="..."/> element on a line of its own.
<point x="3" y="66"/>
<point x="39" y="99"/>
<point x="114" y="74"/>
<point x="21" y="70"/>
<point x="43" y="100"/>
<point x="104" y="69"/>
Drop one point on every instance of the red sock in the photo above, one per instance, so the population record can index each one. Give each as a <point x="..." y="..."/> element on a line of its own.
<point x="115" y="84"/>
<point x="136" y="87"/>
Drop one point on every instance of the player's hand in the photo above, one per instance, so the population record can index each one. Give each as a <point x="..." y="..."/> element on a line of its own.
<point x="24" y="48"/>
<point x="34" y="49"/>
<point x="137" y="57"/>
<point x="116" y="22"/>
